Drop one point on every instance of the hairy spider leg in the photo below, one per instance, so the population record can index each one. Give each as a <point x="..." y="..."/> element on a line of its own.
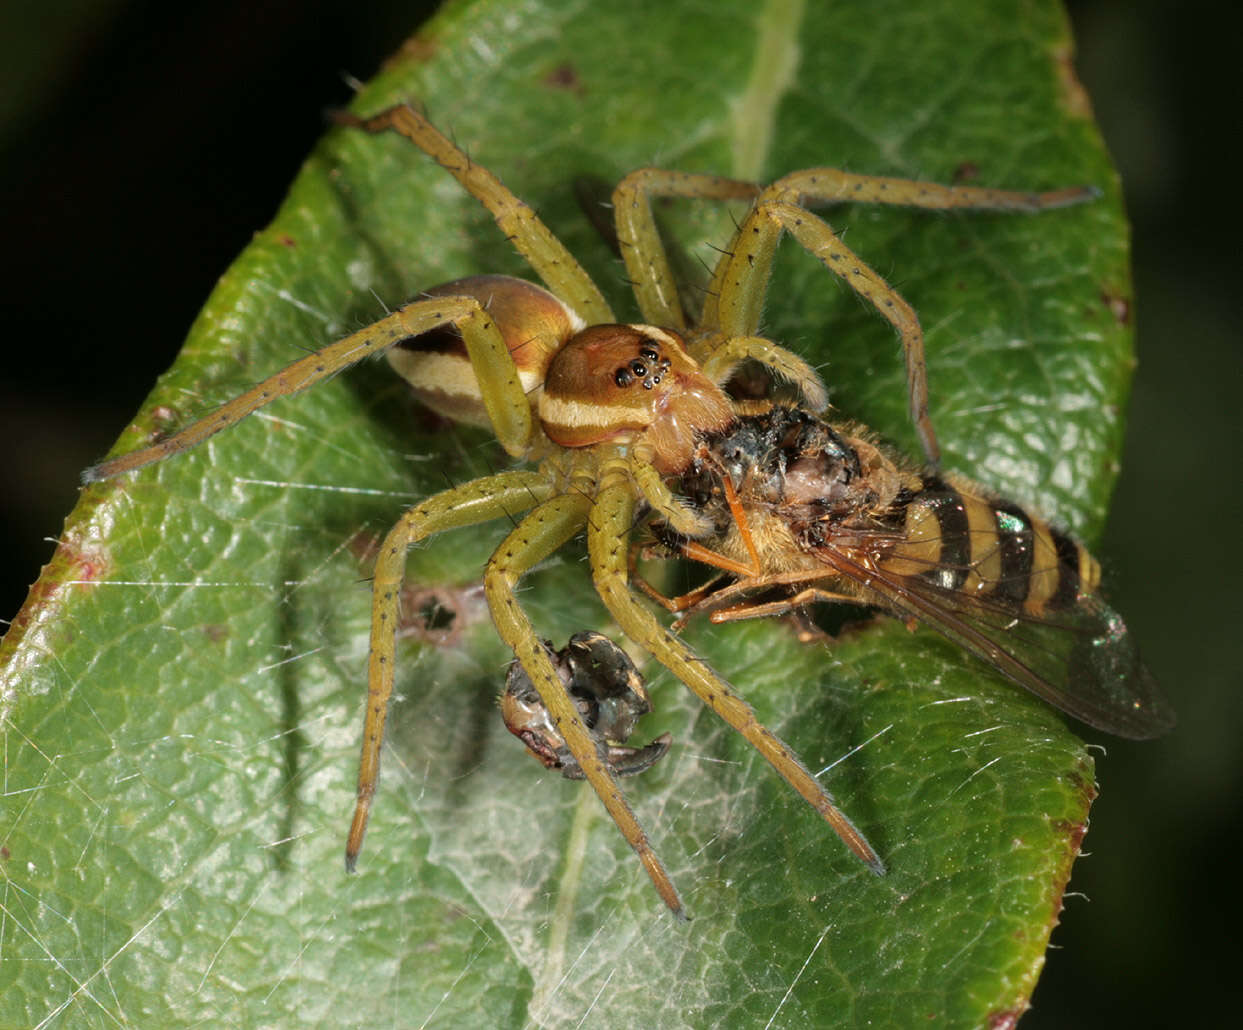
<point x="546" y="254"/>
<point x="608" y="529"/>
<point x="503" y="495"/>
<point x="647" y="262"/>
<point x="650" y="275"/>
<point x="502" y="391"/>
<point x="736" y="297"/>
<point x="544" y="530"/>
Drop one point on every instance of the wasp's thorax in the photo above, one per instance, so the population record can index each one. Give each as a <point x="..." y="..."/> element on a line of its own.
<point x="795" y="475"/>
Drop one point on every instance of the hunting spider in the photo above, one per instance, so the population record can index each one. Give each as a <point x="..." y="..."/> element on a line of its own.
<point x="610" y="412"/>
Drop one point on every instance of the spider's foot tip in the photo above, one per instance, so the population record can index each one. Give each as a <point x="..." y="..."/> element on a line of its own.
<point x="877" y="866"/>
<point x="92" y="475"/>
<point x="351" y="862"/>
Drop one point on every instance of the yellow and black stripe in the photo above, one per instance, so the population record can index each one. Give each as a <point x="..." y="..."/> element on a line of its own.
<point x="984" y="547"/>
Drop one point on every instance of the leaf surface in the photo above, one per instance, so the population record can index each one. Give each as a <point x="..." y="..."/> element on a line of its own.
<point x="182" y="693"/>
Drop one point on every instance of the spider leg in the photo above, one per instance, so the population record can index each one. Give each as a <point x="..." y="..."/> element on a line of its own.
<point x="536" y="536"/>
<point x="494" y="366"/>
<point x="608" y="528"/>
<point x="655" y="288"/>
<point x="831" y="185"/>
<point x="740" y="282"/>
<point x="543" y="251"/>
<point x="727" y="354"/>
<point x="741" y="291"/>
<point x="481" y="500"/>
<point x="647" y="263"/>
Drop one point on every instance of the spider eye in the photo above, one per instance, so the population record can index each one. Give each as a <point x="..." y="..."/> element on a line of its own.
<point x="591" y="393"/>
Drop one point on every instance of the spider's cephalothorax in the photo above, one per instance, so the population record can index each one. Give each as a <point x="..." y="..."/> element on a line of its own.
<point x="612" y="412"/>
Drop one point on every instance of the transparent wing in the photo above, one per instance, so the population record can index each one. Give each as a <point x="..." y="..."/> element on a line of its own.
<point x="1079" y="658"/>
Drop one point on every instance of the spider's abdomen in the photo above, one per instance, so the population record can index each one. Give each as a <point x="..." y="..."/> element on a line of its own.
<point x="532" y="321"/>
<point x="609" y="381"/>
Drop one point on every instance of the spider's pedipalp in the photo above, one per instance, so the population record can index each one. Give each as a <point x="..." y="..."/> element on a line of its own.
<point x="785" y="364"/>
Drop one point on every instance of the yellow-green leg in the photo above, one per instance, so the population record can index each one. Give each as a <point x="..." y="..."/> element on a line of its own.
<point x="739" y="285"/>
<point x="503" y="395"/>
<point x="723" y="358"/>
<point x="546" y="254"/>
<point x="647" y="263"/>
<point x="537" y="536"/>
<point x="500" y="496"/>
<point x="608" y="530"/>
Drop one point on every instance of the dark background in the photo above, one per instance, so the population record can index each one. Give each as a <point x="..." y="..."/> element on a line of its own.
<point x="100" y="177"/>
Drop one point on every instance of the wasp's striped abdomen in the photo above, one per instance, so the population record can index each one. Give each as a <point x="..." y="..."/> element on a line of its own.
<point x="985" y="547"/>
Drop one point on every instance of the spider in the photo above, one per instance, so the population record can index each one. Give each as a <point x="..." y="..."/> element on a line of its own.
<point x="611" y="412"/>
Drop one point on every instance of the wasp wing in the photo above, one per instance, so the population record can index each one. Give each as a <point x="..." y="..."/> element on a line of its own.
<point x="1079" y="658"/>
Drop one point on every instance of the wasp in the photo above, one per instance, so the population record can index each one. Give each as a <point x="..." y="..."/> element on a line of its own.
<point x="810" y="512"/>
<point x="611" y="416"/>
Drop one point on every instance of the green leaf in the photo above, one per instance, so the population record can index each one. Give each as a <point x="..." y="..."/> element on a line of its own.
<point x="182" y="693"/>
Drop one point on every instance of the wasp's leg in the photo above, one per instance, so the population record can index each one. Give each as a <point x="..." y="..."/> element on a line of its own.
<point x="612" y="515"/>
<point x="748" y="610"/>
<point x="543" y="251"/>
<point x="506" y="402"/>
<point x="713" y="602"/>
<point x="740" y="282"/>
<point x="647" y="262"/>
<point x="687" y="602"/>
<point x="501" y="496"/>
<point x="537" y="536"/>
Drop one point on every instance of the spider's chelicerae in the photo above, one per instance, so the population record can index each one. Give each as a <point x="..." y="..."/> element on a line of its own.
<point x="610" y="413"/>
